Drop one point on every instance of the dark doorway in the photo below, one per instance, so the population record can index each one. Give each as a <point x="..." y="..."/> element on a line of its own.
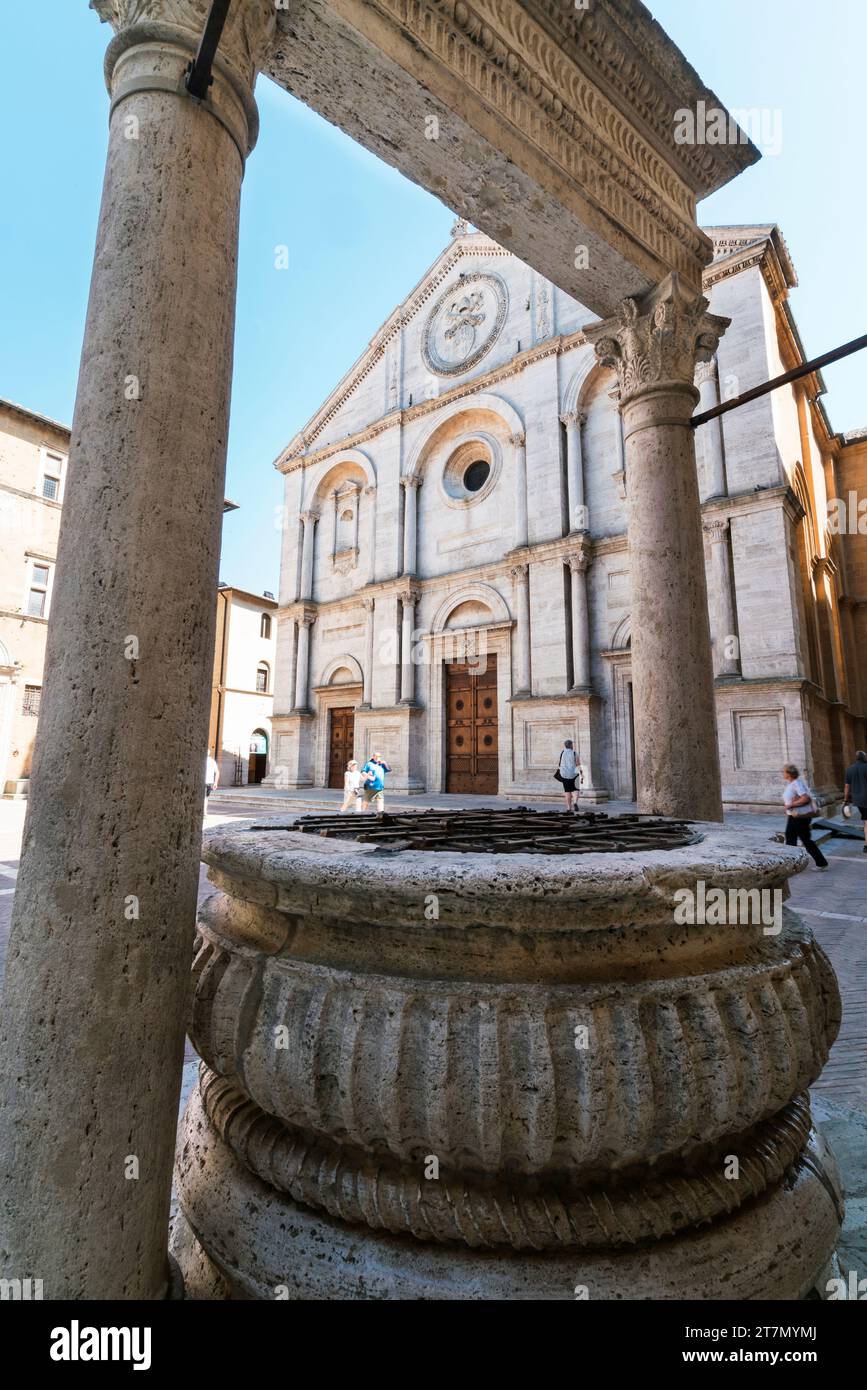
<point x="341" y="742"/>
<point x="472" y="742"/>
<point x="257" y="764"/>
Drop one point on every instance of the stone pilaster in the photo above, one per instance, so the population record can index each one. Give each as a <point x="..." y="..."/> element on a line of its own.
<point x="408" y="599"/>
<point x="308" y="520"/>
<point x="369" y="605"/>
<point x="306" y="619"/>
<point x="410" y="523"/>
<point x="710" y="435"/>
<point x="726" y="644"/>
<point x="519" y="448"/>
<point x="579" y="563"/>
<point x="578" y="517"/>
<point x="96" y="991"/>
<point x="521" y="577"/>
<point x="653" y="343"/>
<point x="370" y="495"/>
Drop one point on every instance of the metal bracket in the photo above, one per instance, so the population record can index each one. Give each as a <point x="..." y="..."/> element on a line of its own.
<point x="198" y="74"/>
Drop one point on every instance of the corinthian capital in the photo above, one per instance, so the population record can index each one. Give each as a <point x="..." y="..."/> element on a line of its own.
<point x="250" y="25"/>
<point x="657" y="338"/>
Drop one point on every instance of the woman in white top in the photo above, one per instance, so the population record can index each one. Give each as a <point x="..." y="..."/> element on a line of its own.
<point x="570" y="772"/>
<point x="800" y="810"/>
<point x="351" y="787"/>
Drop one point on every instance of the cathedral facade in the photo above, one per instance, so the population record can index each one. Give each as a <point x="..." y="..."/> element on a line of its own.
<point x="455" y="577"/>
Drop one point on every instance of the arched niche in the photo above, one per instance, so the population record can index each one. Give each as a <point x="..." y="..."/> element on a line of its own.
<point x="482" y="597"/>
<point x="341" y="670"/>
<point x="484" y="414"/>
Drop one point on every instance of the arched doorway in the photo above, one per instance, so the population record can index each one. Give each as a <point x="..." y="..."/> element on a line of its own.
<point x="258" y="760"/>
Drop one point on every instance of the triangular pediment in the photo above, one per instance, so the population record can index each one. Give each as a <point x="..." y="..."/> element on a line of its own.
<point x="466" y="246"/>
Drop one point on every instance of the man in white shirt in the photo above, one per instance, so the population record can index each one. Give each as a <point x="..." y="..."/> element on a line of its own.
<point x="569" y="769"/>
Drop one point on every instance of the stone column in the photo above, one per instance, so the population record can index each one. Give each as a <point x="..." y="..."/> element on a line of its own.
<point x="619" y="471"/>
<point x="578" y="518"/>
<point x="370" y="494"/>
<point x="519" y="445"/>
<point x="309" y="520"/>
<point x="654" y="343"/>
<point x="302" y="663"/>
<point x="369" y="603"/>
<point x="335" y="497"/>
<point x="408" y="599"/>
<point x="711" y="434"/>
<point x="726" y="645"/>
<point x="97" y="974"/>
<point x="410" y="523"/>
<point x="579" y="563"/>
<point x="521" y="576"/>
<point x="355" y="494"/>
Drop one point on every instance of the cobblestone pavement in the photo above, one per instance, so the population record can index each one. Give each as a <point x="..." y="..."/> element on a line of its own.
<point x="833" y="903"/>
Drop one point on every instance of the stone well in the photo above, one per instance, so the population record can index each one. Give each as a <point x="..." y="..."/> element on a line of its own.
<point x="495" y="1075"/>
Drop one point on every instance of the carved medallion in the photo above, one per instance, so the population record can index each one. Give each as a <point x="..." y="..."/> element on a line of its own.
<point x="464" y="324"/>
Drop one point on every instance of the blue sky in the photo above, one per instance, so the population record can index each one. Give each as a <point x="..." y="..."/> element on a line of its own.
<point x="360" y="235"/>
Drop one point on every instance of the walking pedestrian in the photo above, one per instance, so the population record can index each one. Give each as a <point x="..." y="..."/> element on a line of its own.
<point x="800" y="807"/>
<point x="351" y="788"/>
<point x="567" y="772"/>
<point x="373" y="783"/>
<point x="212" y="776"/>
<point x="855" y="791"/>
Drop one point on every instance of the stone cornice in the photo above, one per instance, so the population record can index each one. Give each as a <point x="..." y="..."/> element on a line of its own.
<point x="547" y="85"/>
<point x="631" y="55"/>
<point x="289" y="461"/>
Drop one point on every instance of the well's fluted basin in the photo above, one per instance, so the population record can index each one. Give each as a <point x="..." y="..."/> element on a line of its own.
<point x="578" y="1065"/>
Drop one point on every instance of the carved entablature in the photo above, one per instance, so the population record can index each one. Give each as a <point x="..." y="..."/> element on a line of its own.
<point x="546" y="87"/>
<point x="657" y="338"/>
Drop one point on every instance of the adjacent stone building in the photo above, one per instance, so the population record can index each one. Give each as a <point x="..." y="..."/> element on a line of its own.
<point x="455" y="584"/>
<point x="33" y="457"/>
<point x="243" y="686"/>
<point x="33" y="454"/>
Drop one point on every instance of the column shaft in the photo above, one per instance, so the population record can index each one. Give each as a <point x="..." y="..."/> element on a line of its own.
<point x="410" y="524"/>
<point x="654" y="344"/>
<point x="407" y="666"/>
<point x="98" y="970"/>
<point x="521" y="576"/>
<point x="726" y="646"/>
<point x="578" y="565"/>
<point x="711" y="435"/>
<point x="309" y="520"/>
<point x="367" y="675"/>
<point x="302" y="668"/>
<point x="519" y="445"/>
<point x="578" y="519"/>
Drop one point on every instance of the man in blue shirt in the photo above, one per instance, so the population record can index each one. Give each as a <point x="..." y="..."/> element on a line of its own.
<point x="373" y="785"/>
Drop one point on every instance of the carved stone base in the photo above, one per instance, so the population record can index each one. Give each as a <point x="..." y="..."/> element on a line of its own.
<point x="558" y="1078"/>
<point x="245" y="1240"/>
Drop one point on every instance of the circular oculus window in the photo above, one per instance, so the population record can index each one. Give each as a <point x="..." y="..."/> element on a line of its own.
<point x="476" y="475"/>
<point x="470" y="473"/>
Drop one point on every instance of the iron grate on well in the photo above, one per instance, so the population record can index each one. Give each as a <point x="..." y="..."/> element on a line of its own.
<point x="518" y="830"/>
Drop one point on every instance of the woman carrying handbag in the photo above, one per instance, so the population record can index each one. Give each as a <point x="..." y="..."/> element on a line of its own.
<point x="800" y="807"/>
